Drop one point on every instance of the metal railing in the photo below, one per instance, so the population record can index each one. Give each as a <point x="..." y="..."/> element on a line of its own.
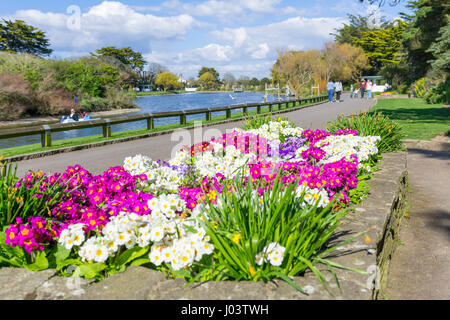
<point x="46" y="130"/>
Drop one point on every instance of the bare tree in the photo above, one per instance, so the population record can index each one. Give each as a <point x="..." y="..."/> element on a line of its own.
<point x="229" y="79"/>
<point x="297" y="69"/>
<point x="382" y="2"/>
<point x="342" y="61"/>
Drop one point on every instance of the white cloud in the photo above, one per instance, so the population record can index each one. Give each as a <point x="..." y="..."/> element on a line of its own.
<point x="251" y="50"/>
<point x="265" y="6"/>
<point x="210" y="53"/>
<point x="294" y="33"/>
<point x="159" y="34"/>
<point x="231" y="10"/>
<point x="109" y="23"/>
<point x="261" y="52"/>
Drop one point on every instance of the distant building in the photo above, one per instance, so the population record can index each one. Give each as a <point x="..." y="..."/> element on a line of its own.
<point x="380" y="84"/>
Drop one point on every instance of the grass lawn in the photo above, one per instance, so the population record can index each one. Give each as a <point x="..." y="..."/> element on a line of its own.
<point x="418" y="119"/>
<point x="58" y="144"/>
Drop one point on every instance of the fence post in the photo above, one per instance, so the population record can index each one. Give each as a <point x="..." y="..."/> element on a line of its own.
<point x="150" y="122"/>
<point x="244" y="110"/>
<point x="183" y="118"/>
<point x="46" y="136"/>
<point x="107" y="128"/>
<point x="228" y="113"/>
<point x="270" y="107"/>
<point x="208" y="115"/>
<point x="258" y="109"/>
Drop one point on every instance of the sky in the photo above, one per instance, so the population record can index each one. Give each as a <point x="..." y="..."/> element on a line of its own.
<point x="239" y="37"/>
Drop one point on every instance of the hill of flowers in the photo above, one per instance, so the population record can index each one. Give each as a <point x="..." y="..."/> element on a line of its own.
<point x="254" y="203"/>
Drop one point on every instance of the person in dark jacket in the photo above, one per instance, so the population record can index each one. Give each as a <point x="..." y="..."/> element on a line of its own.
<point x="362" y="87"/>
<point x="73" y="115"/>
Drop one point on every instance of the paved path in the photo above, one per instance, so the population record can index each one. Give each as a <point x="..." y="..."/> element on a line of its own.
<point x="98" y="159"/>
<point x="420" y="267"/>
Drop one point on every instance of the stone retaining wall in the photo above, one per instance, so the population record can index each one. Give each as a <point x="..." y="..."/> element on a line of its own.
<point x="378" y="216"/>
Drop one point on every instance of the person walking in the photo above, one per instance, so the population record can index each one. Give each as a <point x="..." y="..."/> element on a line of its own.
<point x="338" y="91"/>
<point x="369" y="89"/>
<point x="330" y="89"/>
<point x="362" y="87"/>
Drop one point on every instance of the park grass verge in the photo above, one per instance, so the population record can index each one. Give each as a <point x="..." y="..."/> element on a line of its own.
<point x="418" y="119"/>
<point x="66" y="143"/>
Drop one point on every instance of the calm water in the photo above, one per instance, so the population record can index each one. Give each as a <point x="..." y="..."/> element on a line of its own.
<point x="185" y="101"/>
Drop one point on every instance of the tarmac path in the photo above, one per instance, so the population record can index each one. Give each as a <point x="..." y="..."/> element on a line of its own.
<point x="420" y="266"/>
<point x="97" y="160"/>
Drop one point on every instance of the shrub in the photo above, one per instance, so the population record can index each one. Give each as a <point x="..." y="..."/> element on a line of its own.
<point x="33" y="86"/>
<point x="436" y="94"/>
<point x="30" y="197"/>
<point x="94" y="104"/>
<point x="372" y="124"/>
<point x="419" y="88"/>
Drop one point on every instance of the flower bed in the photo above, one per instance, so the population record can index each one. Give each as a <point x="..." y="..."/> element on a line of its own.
<point x="254" y="204"/>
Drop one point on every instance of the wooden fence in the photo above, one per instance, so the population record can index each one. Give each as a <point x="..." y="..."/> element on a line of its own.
<point x="46" y="130"/>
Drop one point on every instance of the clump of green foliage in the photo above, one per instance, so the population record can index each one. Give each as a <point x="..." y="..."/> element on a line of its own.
<point x="32" y="86"/>
<point x="372" y="124"/>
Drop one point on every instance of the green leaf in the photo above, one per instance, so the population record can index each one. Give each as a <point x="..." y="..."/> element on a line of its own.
<point x="140" y="262"/>
<point x="288" y="280"/>
<point x="182" y="273"/>
<point x="17" y="253"/>
<point x="92" y="270"/>
<point x="41" y="262"/>
<point x="61" y="253"/>
<point x="68" y="262"/>
<point x="130" y="255"/>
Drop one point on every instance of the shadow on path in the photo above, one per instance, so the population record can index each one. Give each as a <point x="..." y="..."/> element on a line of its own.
<point x="442" y="155"/>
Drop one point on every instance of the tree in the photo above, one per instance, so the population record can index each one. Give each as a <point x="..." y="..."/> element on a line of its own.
<point x="212" y="71"/>
<point x="441" y="51"/>
<point x="265" y="80"/>
<point x="254" y="82"/>
<point x="229" y="79"/>
<point x="168" y="81"/>
<point x="430" y="16"/>
<point x="207" y="80"/>
<point x="149" y="76"/>
<point x="125" y="55"/>
<point x="18" y="37"/>
<point x="342" y="61"/>
<point x="382" y="2"/>
<point x="297" y="69"/>
<point x="354" y="30"/>
<point x="382" y="45"/>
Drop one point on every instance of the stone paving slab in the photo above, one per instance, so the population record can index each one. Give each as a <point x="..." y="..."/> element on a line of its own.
<point x="420" y="267"/>
<point x="21" y="284"/>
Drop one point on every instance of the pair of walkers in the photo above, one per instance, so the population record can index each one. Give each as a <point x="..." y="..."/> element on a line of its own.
<point x="366" y="86"/>
<point x="333" y="87"/>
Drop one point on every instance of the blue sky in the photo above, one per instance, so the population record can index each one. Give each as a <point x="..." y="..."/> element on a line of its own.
<point x="240" y="37"/>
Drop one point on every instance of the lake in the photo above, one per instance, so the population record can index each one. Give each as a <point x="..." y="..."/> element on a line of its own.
<point x="162" y="103"/>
